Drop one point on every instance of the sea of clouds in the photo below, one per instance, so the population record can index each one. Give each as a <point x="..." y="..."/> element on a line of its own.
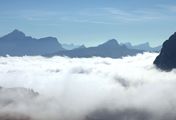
<point x="95" y="88"/>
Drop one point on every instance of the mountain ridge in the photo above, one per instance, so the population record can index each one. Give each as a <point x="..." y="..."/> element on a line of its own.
<point x="16" y="43"/>
<point x="143" y="46"/>
<point x="110" y="48"/>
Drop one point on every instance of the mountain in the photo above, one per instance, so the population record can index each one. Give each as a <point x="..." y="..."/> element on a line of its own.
<point x="110" y="48"/>
<point x="144" y="46"/>
<point x="82" y="46"/>
<point x="17" y="43"/>
<point x="166" y="60"/>
<point x="70" y="46"/>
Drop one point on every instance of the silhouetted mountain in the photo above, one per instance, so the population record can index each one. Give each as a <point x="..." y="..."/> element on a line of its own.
<point x="167" y="57"/>
<point x="110" y="48"/>
<point x="70" y="46"/>
<point x="17" y="43"/>
<point x="82" y="46"/>
<point x="144" y="46"/>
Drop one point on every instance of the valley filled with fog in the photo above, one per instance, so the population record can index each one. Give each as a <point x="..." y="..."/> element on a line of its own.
<point x="65" y="88"/>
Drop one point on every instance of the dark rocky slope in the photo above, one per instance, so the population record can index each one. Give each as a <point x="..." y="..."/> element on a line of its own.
<point x="167" y="57"/>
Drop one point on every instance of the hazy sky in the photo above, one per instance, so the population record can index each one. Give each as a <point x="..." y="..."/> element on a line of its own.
<point x="91" y="21"/>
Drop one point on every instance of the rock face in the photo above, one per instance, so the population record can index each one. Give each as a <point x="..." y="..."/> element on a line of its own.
<point x="167" y="57"/>
<point x="17" y="43"/>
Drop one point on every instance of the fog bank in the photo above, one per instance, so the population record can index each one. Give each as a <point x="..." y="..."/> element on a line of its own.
<point x="87" y="88"/>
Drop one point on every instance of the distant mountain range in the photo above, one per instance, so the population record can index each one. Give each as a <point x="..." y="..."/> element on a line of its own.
<point x="71" y="46"/>
<point x="110" y="48"/>
<point x="144" y="46"/>
<point x="17" y="43"/>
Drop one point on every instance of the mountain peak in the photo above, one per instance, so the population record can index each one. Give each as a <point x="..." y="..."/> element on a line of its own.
<point x="48" y="38"/>
<point x="173" y="37"/>
<point x="17" y="33"/>
<point x="16" y="43"/>
<point x="110" y="43"/>
<point x="16" y="30"/>
<point x="82" y="46"/>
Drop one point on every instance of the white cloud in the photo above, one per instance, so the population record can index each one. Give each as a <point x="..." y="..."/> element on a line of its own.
<point x="111" y="15"/>
<point x="72" y="88"/>
<point x="104" y="15"/>
<point x="140" y="15"/>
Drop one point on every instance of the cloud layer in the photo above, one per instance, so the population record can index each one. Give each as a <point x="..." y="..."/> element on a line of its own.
<point x="74" y="88"/>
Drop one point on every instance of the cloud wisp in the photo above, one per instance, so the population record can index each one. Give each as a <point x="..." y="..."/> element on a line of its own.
<point x="79" y="89"/>
<point x="102" y="15"/>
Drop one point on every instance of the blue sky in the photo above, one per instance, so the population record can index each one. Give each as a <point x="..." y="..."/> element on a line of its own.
<point x="91" y="22"/>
